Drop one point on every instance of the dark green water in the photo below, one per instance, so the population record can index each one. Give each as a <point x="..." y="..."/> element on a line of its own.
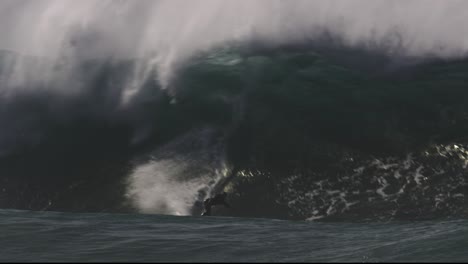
<point x="50" y="236"/>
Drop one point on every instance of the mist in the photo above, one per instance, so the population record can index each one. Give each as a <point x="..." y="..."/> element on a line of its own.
<point x="167" y="32"/>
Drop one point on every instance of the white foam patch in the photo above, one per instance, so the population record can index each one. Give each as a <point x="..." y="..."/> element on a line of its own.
<point x="390" y="179"/>
<point x="156" y="188"/>
<point x="407" y="163"/>
<point x="169" y="183"/>
<point x="384" y="185"/>
<point x="418" y="177"/>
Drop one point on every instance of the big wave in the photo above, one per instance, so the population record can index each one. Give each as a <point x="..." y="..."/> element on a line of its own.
<point x="326" y="121"/>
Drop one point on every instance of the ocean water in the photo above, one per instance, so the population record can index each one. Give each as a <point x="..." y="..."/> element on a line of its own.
<point x="52" y="237"/>
<point x="338" y="130"/>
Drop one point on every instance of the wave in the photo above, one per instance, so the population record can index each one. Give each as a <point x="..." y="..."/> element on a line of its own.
<point x="342" y="133"/>
<point x="320" y="112"/>
<point x="315" y="130"/>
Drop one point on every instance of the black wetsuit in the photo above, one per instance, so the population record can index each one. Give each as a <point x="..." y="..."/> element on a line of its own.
<point x="219" y="199"/>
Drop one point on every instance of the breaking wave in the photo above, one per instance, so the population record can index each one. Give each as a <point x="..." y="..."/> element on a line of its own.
<point x="332" y="126"/>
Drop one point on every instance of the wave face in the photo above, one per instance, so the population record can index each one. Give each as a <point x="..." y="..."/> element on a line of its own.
<point x="338" y="116"/>
<point x="331" y="135"/>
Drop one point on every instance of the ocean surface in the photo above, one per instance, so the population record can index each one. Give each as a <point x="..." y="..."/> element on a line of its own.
<point x="52" y="237"/>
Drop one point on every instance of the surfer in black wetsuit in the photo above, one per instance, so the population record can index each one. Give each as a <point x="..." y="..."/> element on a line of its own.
<point x="219" y="199"/>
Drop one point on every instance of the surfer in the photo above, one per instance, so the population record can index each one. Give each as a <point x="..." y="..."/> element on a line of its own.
<point x="219" y="199"/>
